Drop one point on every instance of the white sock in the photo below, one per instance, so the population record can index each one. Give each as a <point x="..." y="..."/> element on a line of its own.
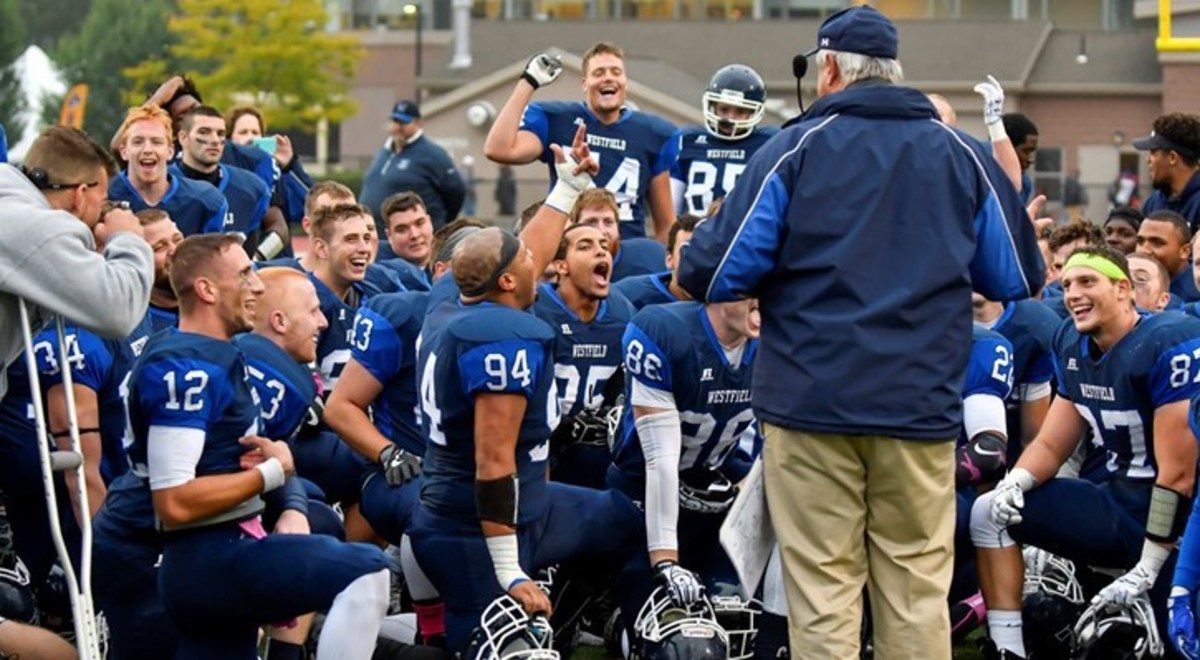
<point x="419" y="586"/>
<point x="354" y="619"/>
<point x="1004" y="627"/>
<point x="400" y="627"/>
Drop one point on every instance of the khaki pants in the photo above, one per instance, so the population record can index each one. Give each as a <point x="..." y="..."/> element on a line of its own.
<point x="850" y="510"/>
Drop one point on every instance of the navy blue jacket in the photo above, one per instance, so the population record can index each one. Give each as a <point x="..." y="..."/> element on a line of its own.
<point x="421" y="167"/>
<point x="1186" y="204"/>
<point x="862" y="230"/>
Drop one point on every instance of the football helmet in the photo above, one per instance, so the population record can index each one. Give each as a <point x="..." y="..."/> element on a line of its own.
<point x="506" y="632"/>
<point x="17" y="601"/>
<point x="666" y="631"/>
<point x="1051" y="604"/>
<point x="738" y="86"/>
<point x="705" y="490"/>
<point x="739" y="617"/>
<point x="1125" y="633"/>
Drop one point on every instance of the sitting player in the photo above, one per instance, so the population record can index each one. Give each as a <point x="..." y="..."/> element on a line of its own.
<point x="1125" y="379"/>
<point x="194" y="420"/>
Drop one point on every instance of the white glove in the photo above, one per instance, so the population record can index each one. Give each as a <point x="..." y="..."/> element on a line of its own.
<point x="1035" y="560"/>
<point x="683" y="586"/>
<point x="1009" y="497"/>
<point x="993" y="107"/>
<point x="569" y="185"/>
<point x="1138" y="581"/>
<point x="542" y="69"/>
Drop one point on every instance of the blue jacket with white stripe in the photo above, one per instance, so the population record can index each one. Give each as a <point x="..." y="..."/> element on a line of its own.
<point x="862" y="230"/>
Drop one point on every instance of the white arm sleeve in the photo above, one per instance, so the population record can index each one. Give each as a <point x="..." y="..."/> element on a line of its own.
<point x="172" y="453"/>
<point x="984" y="412"/>
<point x="662" y="443"/>
<point x="677" y="189"/>
<point x="1033" y="391"/>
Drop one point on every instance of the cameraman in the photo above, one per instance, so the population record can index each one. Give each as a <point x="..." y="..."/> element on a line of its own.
<point x="49" y="258"/>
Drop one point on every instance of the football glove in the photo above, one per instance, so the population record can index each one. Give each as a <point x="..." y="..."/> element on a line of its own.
<point x="683" y="586"/>
<point x="993" y="100"/>
<point x="1182" y="623"/>
<point x="1009" y="497"/>
<point x="589" y="427"/>
<point x="542" y="69"/>
<point x="1127" y="588"/>
<point x="399" y="466"/>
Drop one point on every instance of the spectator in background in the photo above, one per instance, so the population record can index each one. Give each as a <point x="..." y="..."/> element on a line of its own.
<point x="1173" y="152"/>
<point x="409" y="161"/>
<point x="1124" y="191"/>
<point x="247" y="127"/>
<point x="1075" y="197"/>
<point x="467" y="172"/>
<point x="506" y="192"/>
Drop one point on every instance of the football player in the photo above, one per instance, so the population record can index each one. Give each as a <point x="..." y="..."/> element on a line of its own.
<point x="146" y="143"/>
<point x="690" y="435"/>
<point x="631" y="256"/>
<point x="705" y="162"/>
<point x="626" y="143"/>
<point x="163" y="236"/>
<point x="194" y="420"/>
<point x="1029" y="326"/>
<point x="588" y="323"/>
<point x="201" y="143"/>
<point x="487" y="516"/>
<point x="1124" y="378"/>
<point x="662" y="288"/>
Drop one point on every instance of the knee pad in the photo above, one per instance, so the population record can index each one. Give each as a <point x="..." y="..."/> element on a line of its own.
<point x="984" y="532"/>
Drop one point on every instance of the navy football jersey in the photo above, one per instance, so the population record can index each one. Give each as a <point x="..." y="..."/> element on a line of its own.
<point x="285" y="387"/>
<point x="705" y="167"/>
<point x="989" y="367"/>
<point x="101" y="365"/>
<point x="162" y="318"/>
<point x="1157" y="363"/>
<point x="196" y="207"/>
<point x="673" y="348"/>
<point x="585" y="354"/>
<point x="385" y="343"/>
<point x="628" y="152"/>
<point x="1029" y="325"/>
<point x="247" y="196"/>
<point x="252" y="159"/>
<point x="1184" y="286"/>
<point x="395" y="275"/>
<point x="333" y="345"/>
<point x="478" y="349"/>
<point x="645" y="290"/>
<point x="445" y="288"/>
<point x="184" y="380"/>
<point x="638" y="256"/>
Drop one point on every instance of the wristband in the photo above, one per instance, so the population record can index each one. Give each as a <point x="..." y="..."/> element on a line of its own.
<point x="1153" y="557"/>
<point x="562" y="197"/>
<point x="505" y="559"/>
<point x="996" y="132"/>
<point x="269" y="247"/>
<point x="272" y="474"/>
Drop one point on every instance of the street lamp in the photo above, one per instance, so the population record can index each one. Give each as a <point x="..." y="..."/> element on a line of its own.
<point x="413" y="9"/>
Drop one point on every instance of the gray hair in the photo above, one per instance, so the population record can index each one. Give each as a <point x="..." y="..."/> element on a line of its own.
<point x="855" y="67"/>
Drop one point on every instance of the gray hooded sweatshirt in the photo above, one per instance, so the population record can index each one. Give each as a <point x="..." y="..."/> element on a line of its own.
<point x="49" y="258"/>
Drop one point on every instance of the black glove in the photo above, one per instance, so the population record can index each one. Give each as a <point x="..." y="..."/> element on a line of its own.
<point x="589" y="427"/>
<point x="399" y="466"/>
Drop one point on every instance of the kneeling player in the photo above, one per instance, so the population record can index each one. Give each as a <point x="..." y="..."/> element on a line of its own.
<point x="690" y="435"/>
<point x="194" y="420"/>
<point x="1127" y="379"/>
<point x="488" y="405"/>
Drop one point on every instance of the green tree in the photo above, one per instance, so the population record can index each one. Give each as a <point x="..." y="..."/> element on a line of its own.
<point x="273" y="54"/>
<point x="116" y="34"/>
<point x="12" y="44"/>
<point x="49" y="20"/>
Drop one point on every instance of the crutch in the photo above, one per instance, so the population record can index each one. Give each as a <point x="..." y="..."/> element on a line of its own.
<point x="87" y="637"/>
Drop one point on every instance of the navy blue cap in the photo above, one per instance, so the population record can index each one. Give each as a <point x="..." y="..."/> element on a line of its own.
<point x="863" y="30"/>
<point x="406" y="111"/>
